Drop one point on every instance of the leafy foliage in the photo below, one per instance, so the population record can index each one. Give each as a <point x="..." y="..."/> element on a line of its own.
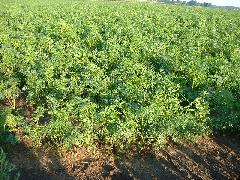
<point x="8" y="123"/>
<point x="6" y="168"/>
<point x="120" y="73"/>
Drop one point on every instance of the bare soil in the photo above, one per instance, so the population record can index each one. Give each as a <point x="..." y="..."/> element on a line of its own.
<point x="216" y="157"/>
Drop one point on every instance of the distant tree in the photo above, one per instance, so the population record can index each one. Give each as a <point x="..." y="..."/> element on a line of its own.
<point x="207" y="4"/>
<point x="192" y="3"/>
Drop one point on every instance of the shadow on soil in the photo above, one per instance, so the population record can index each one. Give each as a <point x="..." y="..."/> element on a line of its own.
<point x="37" y="164"/>
<point x="216" y="157"/>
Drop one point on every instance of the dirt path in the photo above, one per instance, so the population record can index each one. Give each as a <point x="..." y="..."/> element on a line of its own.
<point x="216" y="157"/>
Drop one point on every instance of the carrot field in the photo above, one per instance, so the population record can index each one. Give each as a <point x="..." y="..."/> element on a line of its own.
<point x="117" y="74"/>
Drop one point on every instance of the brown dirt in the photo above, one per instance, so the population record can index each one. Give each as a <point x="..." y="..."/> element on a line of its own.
<point x="216" y="157"/>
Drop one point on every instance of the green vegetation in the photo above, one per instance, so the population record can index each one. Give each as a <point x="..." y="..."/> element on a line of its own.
<point x="118" y="73"/>
<point x="6" y="168"/>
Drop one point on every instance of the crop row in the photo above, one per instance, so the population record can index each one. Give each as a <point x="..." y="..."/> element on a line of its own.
<point x="117" y="73"/>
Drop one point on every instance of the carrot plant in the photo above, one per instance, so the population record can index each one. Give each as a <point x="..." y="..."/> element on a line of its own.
<point x="120" y="74"/>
